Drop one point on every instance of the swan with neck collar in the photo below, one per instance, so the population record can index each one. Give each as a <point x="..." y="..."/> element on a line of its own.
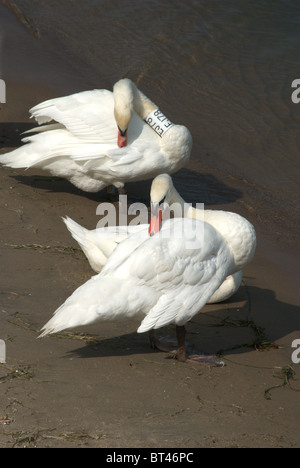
<point x="100" y="138"/>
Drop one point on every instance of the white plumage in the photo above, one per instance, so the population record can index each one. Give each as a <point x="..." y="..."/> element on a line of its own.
<point x="165" y="278"/>
<point x="80" y="139"/>
<point x="99" y="244"/>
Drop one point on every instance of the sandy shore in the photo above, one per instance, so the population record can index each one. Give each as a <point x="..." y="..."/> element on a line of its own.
<point x="103" y="386"/>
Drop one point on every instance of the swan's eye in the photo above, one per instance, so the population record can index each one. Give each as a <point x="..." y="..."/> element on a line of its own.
<point x="163" y="200"/>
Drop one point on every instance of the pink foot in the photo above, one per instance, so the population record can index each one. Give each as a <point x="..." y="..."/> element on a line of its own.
<point x="189" y="355"/>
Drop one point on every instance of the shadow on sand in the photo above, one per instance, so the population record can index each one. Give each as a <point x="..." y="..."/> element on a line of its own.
<point x="11" y="133"/>
<point x="193" y="187"/>
<point x="236" y="326"/>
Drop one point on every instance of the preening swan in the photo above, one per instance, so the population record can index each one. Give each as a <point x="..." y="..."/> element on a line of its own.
<point x="165" y="277"/>
<point x="235" y="229"/>
<point x="101" y="138"/>
<point x="99" y="244"/>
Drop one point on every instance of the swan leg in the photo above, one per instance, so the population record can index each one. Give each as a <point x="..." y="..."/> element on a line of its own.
<point x="112" y="193"/>
<point x="162" y="343"/>
<point x="181" y="348"/>
<point x="152" y="339"/>
<point x="111" y="190"/>
<point x="182" y="351"/>
<point x="189" y="355"/>
<point x="122" y="191"/>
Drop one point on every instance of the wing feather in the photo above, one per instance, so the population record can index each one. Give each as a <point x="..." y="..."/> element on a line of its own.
<point x="168" y="265"/>
<point x="87" y="115"/>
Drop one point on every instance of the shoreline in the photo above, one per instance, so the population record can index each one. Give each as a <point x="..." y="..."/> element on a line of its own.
<point x="82" y="388"/>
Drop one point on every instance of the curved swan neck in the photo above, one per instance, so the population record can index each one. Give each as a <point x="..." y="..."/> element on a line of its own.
<point x="176" y="198"/>
<point x="123" y="103"/>
<point x="142" y="105"/>
<point x="127" y="97"/>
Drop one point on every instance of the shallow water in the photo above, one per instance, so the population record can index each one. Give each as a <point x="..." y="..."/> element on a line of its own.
<point x="224" y="69"/>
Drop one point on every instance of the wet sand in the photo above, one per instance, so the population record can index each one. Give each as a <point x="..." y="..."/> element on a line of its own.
<point x="102" y="386"/>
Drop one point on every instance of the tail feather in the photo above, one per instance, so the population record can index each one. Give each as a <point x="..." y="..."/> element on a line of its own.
<point x="22" y="157"/>
<point x="66" y="316"/>
<point x="42" y="147"/>
<point x="45" y="145"/>
<point x="99" y="299"/>
<point x="96" y="248"/>
<point x="79" y="233"/>
<point x="79" y="309"/>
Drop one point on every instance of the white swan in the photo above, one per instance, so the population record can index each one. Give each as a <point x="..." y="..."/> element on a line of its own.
<point x="83" y="143"/>
<point x="166" y="278"/>
<point x="233" y="227"/>
<point x="98" y="244"/>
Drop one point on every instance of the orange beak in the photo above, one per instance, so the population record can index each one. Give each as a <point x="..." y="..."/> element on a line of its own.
<point x="122" y="138"/>
<point x="156" y="219"/>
